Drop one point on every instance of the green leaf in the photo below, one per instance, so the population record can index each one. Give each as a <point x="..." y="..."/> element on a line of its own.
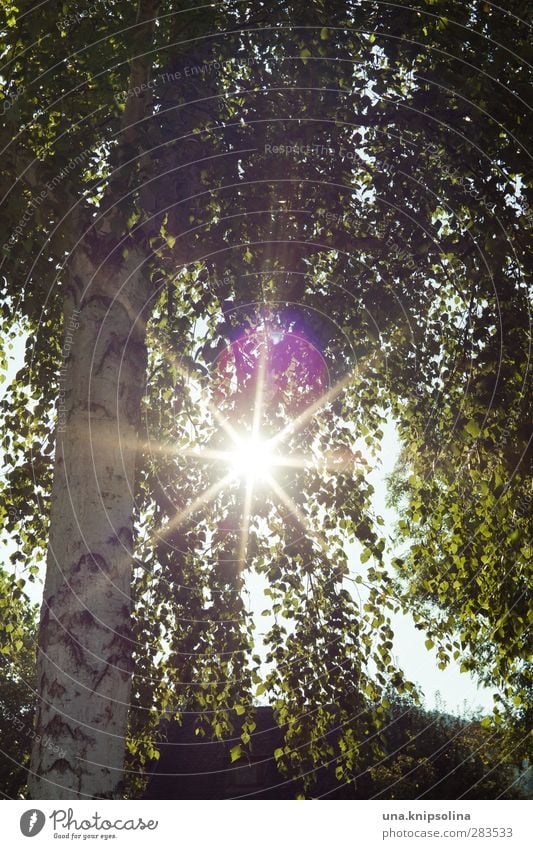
<point x="235" y="752"/>
<point x="473" y="428"/>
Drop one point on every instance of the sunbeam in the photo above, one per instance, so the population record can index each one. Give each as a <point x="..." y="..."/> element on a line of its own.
<point x="296" y="424"/>
<point x="198" y="502"/>
<point x="297" y="513"/>
<point x="250" y="458"/>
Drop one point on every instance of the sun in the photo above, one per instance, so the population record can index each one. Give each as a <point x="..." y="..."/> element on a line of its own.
<point x="252" y="459"/>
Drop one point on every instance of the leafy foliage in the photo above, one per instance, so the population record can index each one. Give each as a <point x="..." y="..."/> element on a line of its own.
<point x="17" y="690"/>
<point x="343" y="172"/>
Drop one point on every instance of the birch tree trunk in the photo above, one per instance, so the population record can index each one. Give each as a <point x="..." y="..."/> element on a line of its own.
<point x="84" y="661"/>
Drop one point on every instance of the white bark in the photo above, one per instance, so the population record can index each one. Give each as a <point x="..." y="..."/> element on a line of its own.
<point x="84" y="663"/>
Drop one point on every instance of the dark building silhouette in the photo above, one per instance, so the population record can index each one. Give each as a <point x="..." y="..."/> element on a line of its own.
<point x="431" y="753"/>
<point x="206" y="771"/>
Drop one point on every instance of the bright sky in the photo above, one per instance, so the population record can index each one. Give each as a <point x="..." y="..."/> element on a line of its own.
<point x="458" y="691"/>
